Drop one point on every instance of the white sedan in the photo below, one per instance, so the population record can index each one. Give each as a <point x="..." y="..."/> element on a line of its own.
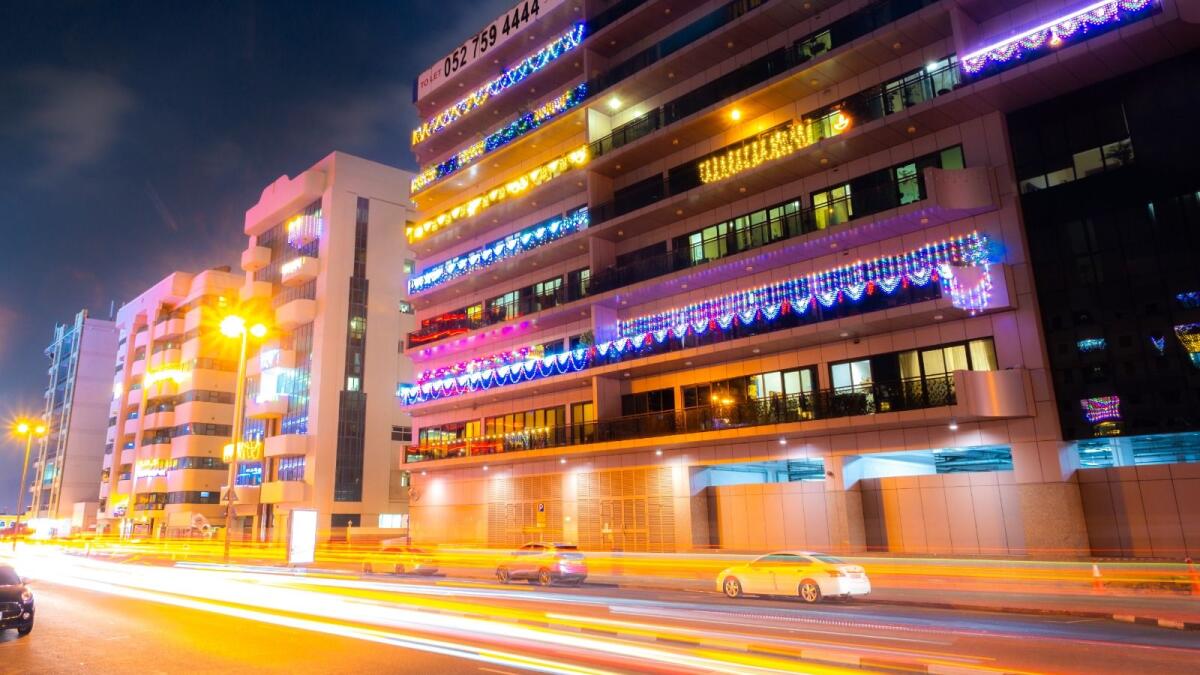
<point x="811" y="576"/>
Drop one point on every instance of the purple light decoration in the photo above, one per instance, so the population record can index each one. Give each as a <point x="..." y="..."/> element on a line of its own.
<point x="960" y="265"/>
<point x="304" y="229"/>
<point x="943" y="262"/>
<point x="1053" y="33"/>
<point x="1160" y="343"/>
<point x="1101" y="409"/>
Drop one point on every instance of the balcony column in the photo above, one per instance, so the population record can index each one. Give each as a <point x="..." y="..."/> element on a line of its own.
<point x="606" y="396"/>
<point x="843" y="507"/>
<point x="604" y="325"/>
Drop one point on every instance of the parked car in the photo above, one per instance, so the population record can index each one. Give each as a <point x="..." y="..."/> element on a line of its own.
<point x="398" y="557"/>
<point x="811" y="576"/>
<point x="16" y="602"/>
<point x="544" y="564"/>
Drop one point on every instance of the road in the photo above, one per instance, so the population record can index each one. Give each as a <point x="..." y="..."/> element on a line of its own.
<point x="90" y="632"/>
<point x="100" y="617"/>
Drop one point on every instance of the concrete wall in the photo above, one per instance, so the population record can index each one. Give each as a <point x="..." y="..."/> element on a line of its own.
<point x="1142" y="511"/>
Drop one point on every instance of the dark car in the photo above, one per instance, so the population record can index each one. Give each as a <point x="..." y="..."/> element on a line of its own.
<point x="16" y="602"/>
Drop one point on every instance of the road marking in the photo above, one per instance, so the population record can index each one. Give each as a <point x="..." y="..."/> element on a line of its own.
<point x="493" y="670"/>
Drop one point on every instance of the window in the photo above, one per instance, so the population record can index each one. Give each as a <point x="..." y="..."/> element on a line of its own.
<point x="402" y="434"/>
<point x="353" y="383"/>
<point x="406" y="307"/>
<point x="851" y="374"/>
<point x="410" y="266"/>
<point x="393" y="520"/>
<point x="659" y="400"/>
<point x="832" y="207"/>
<point x="290" y="468"/>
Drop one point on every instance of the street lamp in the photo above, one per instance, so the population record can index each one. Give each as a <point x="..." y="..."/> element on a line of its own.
<point x="28" y="429"/>
<point x="234" y="326"/>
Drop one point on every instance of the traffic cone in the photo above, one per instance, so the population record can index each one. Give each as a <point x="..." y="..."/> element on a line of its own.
<point x="1097" y="580"/>
<point x="1193" y="576"/>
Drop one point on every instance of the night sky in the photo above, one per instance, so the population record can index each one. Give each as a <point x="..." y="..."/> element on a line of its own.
<point x="134" y="136"/>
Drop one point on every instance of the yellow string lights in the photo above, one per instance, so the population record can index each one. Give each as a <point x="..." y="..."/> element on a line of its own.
<point x="770" y="146"/>
<point x="542" y="174"/>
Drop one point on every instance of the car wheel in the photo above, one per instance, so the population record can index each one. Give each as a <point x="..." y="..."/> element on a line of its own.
<point x="544" y="578"/>
<point x="732" y="587"/>
<point x="503" y="576"/>
<point x="810" y="592"/>
<point x="26" y="629"/>
<point x="399" y="569"/>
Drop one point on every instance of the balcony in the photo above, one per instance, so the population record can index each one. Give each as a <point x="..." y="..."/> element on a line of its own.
<point x="462" y="321"/>
<point x="130" y="426"/>
<point x="137" y="368"/>
<point x="168" y="328"/>
<point x="255" y="290"/>
<point x="271" y="357"/>
<point x="287" y="445"/>
<point x="264" y="410"/>
<point x="142" y="337"/>
<point x="824" y="404"/>
<point x="283" y="491"/>
<point x="254" y="258"/>
<point x="165" y="358"/>
<point x="160" y="420"/>
<point x="299" y="271"/>
<point x="296" y="313"/>
<point x="244" y="495"/>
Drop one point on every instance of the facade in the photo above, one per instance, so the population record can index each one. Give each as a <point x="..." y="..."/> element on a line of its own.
<point x="752" y="274"/>
<point x="171" y="408"/>
<point x="69" y="457"/>
<point x="326" y="250"/>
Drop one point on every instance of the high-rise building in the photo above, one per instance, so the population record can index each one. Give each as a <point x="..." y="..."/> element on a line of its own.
<point x="172" y="407"/>
<point x="69" y="457"/>
<point x="327" y="253"/>
<point x="754" y="274"/>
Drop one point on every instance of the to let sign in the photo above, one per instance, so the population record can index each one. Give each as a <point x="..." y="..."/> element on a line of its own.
<point x="475" y="47"/>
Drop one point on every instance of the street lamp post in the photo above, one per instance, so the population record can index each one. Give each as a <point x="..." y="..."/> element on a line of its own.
<point x="235" y="327"/>
<point x="28" y="430"/>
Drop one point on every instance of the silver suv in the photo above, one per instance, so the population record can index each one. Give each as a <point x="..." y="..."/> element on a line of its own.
<point x="544" y="564"/>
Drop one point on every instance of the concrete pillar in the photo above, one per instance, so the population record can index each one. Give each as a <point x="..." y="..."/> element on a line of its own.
<point x="604" y="324"/>
<point x="843" y="509"/>
<point x="1050" y="505"/>
<point x="606" y="394"/>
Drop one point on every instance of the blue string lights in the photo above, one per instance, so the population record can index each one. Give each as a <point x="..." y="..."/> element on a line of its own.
<point x="502" y="249"/>
<point x="1050" y="35"/>
<point x="1101" y="409"/>
<point x="946" y="263"/>
<point x="1092" y="345"/>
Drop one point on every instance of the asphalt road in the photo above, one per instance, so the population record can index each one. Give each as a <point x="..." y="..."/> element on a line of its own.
<point x="79" y="631"/>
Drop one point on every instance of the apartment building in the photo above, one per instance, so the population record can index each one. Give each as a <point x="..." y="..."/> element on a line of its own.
<point x="171" y="409"/>
<point x="70" y="455"/>
<point x="324" y="432"/>
<point x="750" y="274"/>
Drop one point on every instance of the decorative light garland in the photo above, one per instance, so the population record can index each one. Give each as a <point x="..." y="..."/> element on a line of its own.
<point x="929" y="264"/>
<point x="304" y="228"/>
<point x="542" y="174"/>
<point x="500" y="138"/>
<point x="1052" y="33"/>
<point x="916" y="267"/>
<point x="509" y="78"/>
<point x="1101" y="409"/>
<point x="1092" y="345"/>
<point x="502" y="249"/>
<point x="518" y="355"/>
<point x="1189" y="337"/>
<point x="1160" y="343"/>
<point x="770" y="146"/>
<point x="1190" y="299"/>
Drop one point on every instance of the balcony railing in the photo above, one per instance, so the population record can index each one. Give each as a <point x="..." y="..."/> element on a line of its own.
<point x="460" y="321"/>
<point x="912" y="394"/>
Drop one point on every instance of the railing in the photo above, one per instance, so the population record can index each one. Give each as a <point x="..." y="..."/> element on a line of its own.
<point x="459" y="321"/>
<point x="912" y="394"/>
<point x="871" y="104"/>
<point x="756" y="235"/>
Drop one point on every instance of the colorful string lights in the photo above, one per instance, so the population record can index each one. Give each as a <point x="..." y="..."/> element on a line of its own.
<point x="542" y="174"/>
<point x="304" y="228"/>
<point x="1160" y="343"/>
<point x="485" y="256"/>
<point x="1092" y="345"/>
<point x="941" y="263"/>
<point x="770" y="146"/>
<point x="519" y="355"/>
<point x="917" y="267"/>
<point x="509" y="78"/>
<point x="1052" y="33"/>
<point x="1101" y="409"/>
<point x="501" y="137"/>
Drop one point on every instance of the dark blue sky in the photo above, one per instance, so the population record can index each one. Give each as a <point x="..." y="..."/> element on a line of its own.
<point x="134" y="135"/>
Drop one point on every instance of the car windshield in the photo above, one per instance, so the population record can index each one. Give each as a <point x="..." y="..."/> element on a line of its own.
<point x="829" y="559"/>
<point x="8" y="577"/>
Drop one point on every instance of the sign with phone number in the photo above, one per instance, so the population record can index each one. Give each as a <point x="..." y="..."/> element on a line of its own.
<point x="478" y="45"/>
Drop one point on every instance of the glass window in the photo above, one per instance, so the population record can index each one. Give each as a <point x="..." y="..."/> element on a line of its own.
<point x="983" y="354"/>
<point x="907" y="185"/>
<point x="1060" y="176"/>
<point x="1088" y="162"/>
<point x="956" y="358"/>
<point x="952" y="158"/>
<point x="832" y="207"/>
<point x="851" y="374"/>
<point x="1118" y="154"/>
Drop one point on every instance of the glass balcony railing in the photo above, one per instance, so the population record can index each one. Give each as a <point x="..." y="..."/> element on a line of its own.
<point x="913" y="394"/>
<point x="463" y="320"/>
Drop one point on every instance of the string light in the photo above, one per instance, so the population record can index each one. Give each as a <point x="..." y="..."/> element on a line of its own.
<point x="509" y="78"/>
<point x="304" y="228"/>
<point x="514" y="188"/>
<point x="1053" y="33"/>
<point x="933" y="263"/>
<point x="1092" y="345"/>
<point x="502" y="249"/>
<point x="1160" y="343"/>
<point x="524" y="124"/>
<point x="770" y="146"/>
<point x="1101" y="408"/>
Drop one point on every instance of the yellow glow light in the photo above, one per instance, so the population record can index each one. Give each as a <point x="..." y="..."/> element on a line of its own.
<point x="174" y="373"/>
<point x="768" y="147"/>
<point x="736" y="115"/>
<point x="40" y="430"/>
<point x="542" y="174"/>
<point x="841" y="122"/>
<point x="258" y="330"/>
<point x="23" y="428"/>
<point x="614" y="103"/>
<point x="233" y="326"/>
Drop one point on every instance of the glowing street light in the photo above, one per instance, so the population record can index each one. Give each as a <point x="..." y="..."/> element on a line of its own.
<point x="234" y="327"/>
<point x="27" y="428"/>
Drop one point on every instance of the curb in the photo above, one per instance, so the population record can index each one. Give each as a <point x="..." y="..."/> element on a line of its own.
<point x="1049" y="611"/>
